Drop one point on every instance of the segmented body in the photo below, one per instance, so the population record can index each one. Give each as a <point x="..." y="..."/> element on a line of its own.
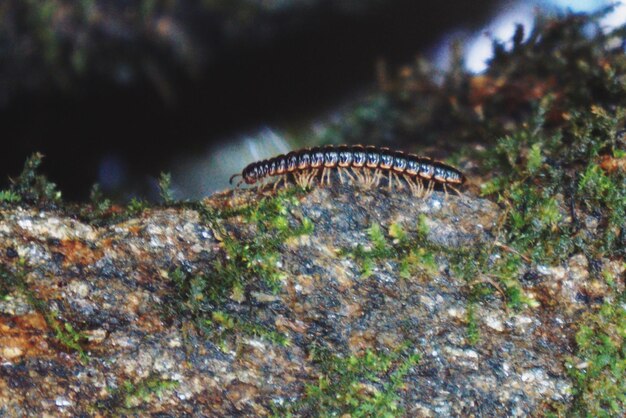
<point x="355" y="157"/>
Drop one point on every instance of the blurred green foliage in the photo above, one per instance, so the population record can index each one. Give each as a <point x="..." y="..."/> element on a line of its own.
<point x="59" y="44"/>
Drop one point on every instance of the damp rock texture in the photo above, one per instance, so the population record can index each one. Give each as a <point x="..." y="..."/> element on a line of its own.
<point x="223" y="308"/>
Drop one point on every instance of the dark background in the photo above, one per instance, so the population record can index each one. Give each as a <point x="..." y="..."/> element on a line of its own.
<point x="285" y="67"/>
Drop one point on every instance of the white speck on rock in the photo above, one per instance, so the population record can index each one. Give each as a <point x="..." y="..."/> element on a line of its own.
<point x="80" y="289"/>
<point x="494" y="322"/>
<point x="62" y="402"/>
<point x="25" y="224"/>
<point x="522" y="323"/>
<point x="458" y="313"/>
<point x="255" y="343"/>
<point x="533" y="375"/>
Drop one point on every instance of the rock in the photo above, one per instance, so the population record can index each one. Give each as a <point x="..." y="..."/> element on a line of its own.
<point x="145" y="349"/>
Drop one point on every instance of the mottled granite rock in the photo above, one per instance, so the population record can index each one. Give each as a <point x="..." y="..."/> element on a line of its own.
<point x="113" y="284"/>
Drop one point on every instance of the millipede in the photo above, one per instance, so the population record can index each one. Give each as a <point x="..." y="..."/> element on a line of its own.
<point x="368" y="163"/>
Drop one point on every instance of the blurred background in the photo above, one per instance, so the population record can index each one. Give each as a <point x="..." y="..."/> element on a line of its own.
<point x="115" y="91"/>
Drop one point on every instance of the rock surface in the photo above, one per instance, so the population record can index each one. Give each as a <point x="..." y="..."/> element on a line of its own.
<point x="113" y="285"/>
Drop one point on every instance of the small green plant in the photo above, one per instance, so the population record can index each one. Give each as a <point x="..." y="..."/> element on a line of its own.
<point x="98" y="201"/>
<point x="364" y="385"/>
<point x="136" y="206"/>
<point x="246" y="263"/>
<point x="32" y="187"/>
<point x="66" y="335"/>
<point x="128" y="396"/>
<point x="165" y="188"/>
<point x="64" y="332"/>
<point x="224" y="323"/>
<point x="8" y="196"/>
<point x="473" y="333"/>
<point x="599" y="368"/>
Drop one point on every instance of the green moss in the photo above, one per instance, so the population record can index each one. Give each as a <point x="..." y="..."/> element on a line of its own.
<point x="414" y="255"/>
<point x="129" y="396"/>
<point x="599" y="368"/>
<point x="246" y="263"/>
<point x="31" y="187"/>
<point x="100" y="205"/>
<point x="136" y="206"/>
<point x="473" y="333"/>
<point x="550" y="178"/>
<point x="365" y="385"/>
<point x="8" y="196"/>
<point x="64" y="333"/>
<point x="165" y="188"/>
<point x="222" y="324"/>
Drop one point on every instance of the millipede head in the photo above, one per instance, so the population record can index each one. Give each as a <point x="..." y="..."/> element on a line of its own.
<point x="454" y="176"/>
<point x="250" y="174"/>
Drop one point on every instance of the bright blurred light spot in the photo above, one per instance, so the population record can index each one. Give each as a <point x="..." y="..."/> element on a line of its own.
<point x="478" y="46"/>
<point x="617" y="18"/>
<point x="200" y="176"/>
<point x="576" y="5"/>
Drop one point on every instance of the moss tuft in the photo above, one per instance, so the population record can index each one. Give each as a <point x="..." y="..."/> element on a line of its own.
<point x="32" y="187"/>
<point x="246" y="264"/>
<point x="364" y="385"/>
<point x="599" y="367"/>
<point x="129" y="396"/>
<point x="64" y="332"/>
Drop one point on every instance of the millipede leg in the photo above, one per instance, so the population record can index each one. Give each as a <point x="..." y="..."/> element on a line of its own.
<point x="339" y="171"/>
<point x="411" y="184"/>
<point x="445" y="191"/>
<point x="430" y="188"/>
<point x="312" y="176"/>
<point x="301" y="179"/>
<point x="455" y="190"/>
<point x="420" y="186"/>
<point x="390" y="182"/>
<point x="326" y="176"/>
<point x="400" y="185"/>
<point x="358" y="175"/>
<point x="297" y="176"/>
<point x="277" y="182"/>
<point x="367" y="178"/>
<point x="379" y="177"/>
<point x="352" y="179"/>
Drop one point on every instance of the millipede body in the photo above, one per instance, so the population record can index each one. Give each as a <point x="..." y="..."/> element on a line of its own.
<point x="379" y="159"/>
